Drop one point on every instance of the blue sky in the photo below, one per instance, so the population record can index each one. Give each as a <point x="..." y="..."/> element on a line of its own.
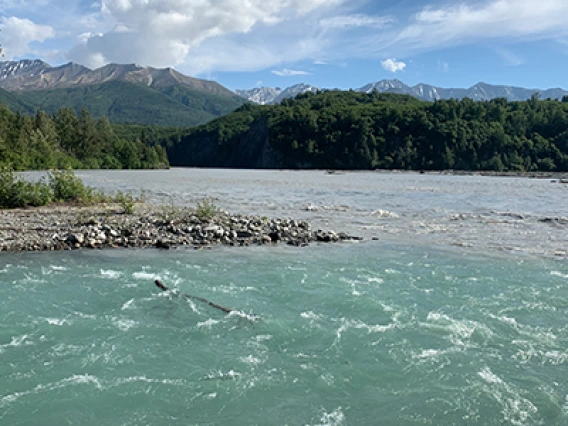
<point x="327" y="43"/>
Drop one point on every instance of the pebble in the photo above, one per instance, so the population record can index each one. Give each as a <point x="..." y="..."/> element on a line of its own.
<point x="105" y="226"/>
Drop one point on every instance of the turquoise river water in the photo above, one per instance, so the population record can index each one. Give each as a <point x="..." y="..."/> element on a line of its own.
<point x="439" y="327"/>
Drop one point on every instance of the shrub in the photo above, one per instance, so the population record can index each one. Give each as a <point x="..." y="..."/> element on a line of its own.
<point x="32" y="194"/>
<point x="94" y="196"/>
<point x="126" y="201"/>
<point x="6" y="187"/>
<point x="66" y="186"/>
<point x="15" y="192"/>
<point x="206" y="210"/>
<point x="62" y="185"/>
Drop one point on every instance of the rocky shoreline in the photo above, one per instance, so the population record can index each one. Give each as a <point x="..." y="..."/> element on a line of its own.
<point x="106" y="226"/>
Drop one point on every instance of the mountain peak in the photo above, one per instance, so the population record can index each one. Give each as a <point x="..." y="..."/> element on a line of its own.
<point x="13" y="69"/>
<point x="29" y="75"/>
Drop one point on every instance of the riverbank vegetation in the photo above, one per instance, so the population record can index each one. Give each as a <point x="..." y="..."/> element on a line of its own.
<point x="350" y="130"/>
<point x="59" y="186"/>
<point x="65" y="139"/>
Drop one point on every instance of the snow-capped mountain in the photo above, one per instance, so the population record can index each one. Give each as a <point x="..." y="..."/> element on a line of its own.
<point x="269" y="95"/>
<point x="384" y="86"/>
<point x="260" y="95"/>
<point x="295" y="90"/>
<point x="481" y="91"/>
<point x="11" y="69"/>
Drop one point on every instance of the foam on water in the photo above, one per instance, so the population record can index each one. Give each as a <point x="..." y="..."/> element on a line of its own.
<point x="124" y="324"/>
<point x="57" y="321"/>
<point x="113" y="275"/>
<point x="146" y="276"/>
<point x="128" y="305"/>
<point x="488" y="351"/>
<point x="559" y="274"/>
<point x="516" y="409"/>
<point x="43" y="388"/>
<point x="17" y="341"/>
<point x="310" y="315"/>
<point x="334" y="418"/>
<point x="208" y="323"/>
<point x="385" y="214"/>
<point x="53" y="269"/>
<point x="460" y="332"/>
<point x="347" y="324"/>
<point x="219" y="375"/>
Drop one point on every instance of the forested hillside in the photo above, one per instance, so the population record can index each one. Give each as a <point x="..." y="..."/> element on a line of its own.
<point x="124" y="102"/>
<point x="66" y="139"/>
<point x="349" y="130"/>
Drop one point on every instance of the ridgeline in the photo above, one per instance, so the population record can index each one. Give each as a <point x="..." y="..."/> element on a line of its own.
<point x="351" y="130"/>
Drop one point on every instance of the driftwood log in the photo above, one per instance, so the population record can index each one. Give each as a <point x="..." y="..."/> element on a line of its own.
<point x="161" y="286"/>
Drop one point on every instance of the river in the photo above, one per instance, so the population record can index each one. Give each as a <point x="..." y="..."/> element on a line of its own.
<point x="454" y="314"/>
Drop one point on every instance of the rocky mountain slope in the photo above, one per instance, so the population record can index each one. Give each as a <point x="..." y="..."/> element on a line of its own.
<point x="29" y="75"/>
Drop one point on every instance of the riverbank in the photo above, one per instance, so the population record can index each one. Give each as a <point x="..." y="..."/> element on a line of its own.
<point x="107" y="226"/>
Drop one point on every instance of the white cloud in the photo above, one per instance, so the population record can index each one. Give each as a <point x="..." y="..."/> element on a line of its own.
<point x="289" y="73"/>
<point x="392" y="65"/>
<point x="509" y="58"/>
<point x="263" y="48"/>
<point x="356" y="20"/>
<point x="204" y="36"/>
<point x="18" y="34"/>
<point x="513" y="20"/>
<point x="163" y="33"/>
<point x="456" y="24"/>
<point x="443" y="66"/>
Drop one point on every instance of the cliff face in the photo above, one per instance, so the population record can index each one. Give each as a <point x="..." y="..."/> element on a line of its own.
<point x="252" y="150"/>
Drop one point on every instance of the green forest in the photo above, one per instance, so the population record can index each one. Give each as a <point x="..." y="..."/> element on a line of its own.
<point x="327" y="130"/>
<point x="352" y="130"/>
<point x="67" y="140"/>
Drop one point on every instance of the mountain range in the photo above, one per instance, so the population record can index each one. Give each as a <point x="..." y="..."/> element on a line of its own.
<point x="479" y="92"/>
<point x="123" y="93"/>
<point x="144" y="95"/>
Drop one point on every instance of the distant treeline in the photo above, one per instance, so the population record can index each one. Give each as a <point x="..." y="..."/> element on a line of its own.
<point x="66" y="139"/>
<point x="350" y="130"/>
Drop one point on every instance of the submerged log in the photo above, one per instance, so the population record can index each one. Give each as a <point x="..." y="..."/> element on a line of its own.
<point x="161" y="285"/>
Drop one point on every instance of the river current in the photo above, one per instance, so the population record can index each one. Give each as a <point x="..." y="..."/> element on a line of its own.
<point x="455" y="314"/>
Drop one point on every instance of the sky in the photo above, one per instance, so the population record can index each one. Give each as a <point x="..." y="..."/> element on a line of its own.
<point x="343" y="44"/>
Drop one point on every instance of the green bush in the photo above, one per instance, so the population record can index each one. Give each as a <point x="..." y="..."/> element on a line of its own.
<point x="94" y="196"/>
<point x="206" y="210"/>
<point x="66" y="186"/>
<point x="61" y="186"/>
<point x="126" y="201"/>
<point x="6" y="187"/>
<point x="33" y="194"/>
<point x="15" y="192"/>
